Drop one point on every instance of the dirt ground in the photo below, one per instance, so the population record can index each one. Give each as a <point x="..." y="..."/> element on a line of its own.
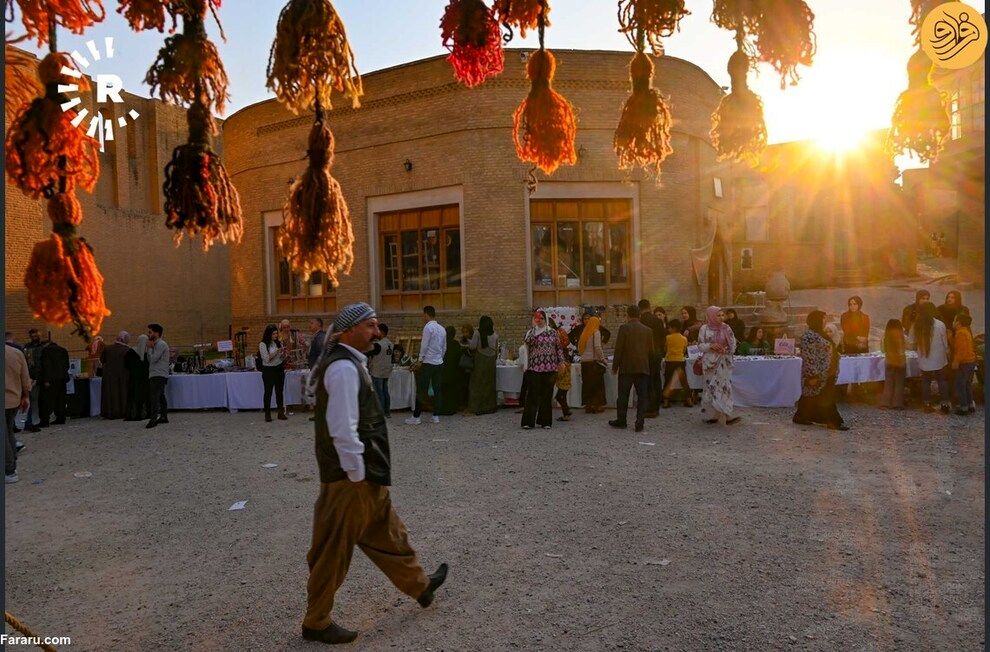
<point x="763" y="535"/>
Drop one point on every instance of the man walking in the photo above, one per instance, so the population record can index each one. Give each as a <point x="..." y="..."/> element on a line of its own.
<point x="33" y="354"/>
<point x="431" y="351"/>
<point x="53" y="377"/>
<point x="158" y="355"/>
<point x="316" y="344"/>
<point x="656" y="358"/>
<point x="631" y="361"/>
<point x="354" y="507"/>
<point x="17" y="392"/>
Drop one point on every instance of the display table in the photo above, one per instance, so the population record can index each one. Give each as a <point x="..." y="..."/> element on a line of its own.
<point x="759" y="381"/>
<point x="183" y="392"/>
<point x="871" y="368"/>
<point x="401" y="389"/>
<point x="508" y="380"/>
<point x="245" y="389"/>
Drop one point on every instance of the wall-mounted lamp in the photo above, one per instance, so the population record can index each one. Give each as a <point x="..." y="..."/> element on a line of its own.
<point x="581" y="153"/>
<point x="407" y="165"/>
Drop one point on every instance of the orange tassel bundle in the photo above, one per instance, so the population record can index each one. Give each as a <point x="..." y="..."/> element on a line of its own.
<point x="738" y="129"/>
<point x="785" y="38"/>
<point x="74" y="15"/>
<point x="316" y="233"/>
<point x="199" y="196"/>
<point x="43" y="148"/>
<point x="20" y="84"/>
<point x="920" y="9"/>
<point x="311" y="57"/>
<point x="740" y="16"/>
<point x="148" y="14"/>
<point x="643" y="135"/>
<point x="471" y="33"/>
<point x="544" y="126"/>
<point x="64" y="284"/>
<point x="655" y="19"/>
<point x="64" y="208"/>
<point x="521" y="14"/>
<point x="188" y="68"/>
<point x="921" y="123"/>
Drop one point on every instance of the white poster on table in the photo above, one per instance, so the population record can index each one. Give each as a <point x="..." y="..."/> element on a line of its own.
<point x="567" y="317"/>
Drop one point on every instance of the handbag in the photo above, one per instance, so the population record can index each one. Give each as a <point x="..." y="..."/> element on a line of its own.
<point x="698" y="369"/>
<point x="466" y="362"/>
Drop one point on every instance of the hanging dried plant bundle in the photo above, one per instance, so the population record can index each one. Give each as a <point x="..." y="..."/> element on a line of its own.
<point x="738" y="129"/>
<point x="20" y="84"/>
<point x="64" y="285"/>
<point x="521" y="15"/>
<point x="544" y="126"/>
<point x="311" y="57"/>
<point x="43" y="148"/>
<point x="920" y="9"/>
<point x="740" y="16"/>
<point x="643" y="135"/>
<point x="316" y="233"/>
<point x="199" y="196"/>
<point x="921" y="122"/>
<point x="471" y="33"/>
<point x="37" y="16"/>
<point x="149" y="14"/>
<point x="64" y="208"/>
<point x="785" y="38"/>
<point x="656" y="19"/>
<point x="188" y="68"/>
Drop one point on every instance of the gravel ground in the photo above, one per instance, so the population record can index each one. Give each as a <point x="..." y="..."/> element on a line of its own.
<point x="760" y="536"/>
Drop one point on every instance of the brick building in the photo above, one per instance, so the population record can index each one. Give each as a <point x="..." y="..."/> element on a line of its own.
<point x="824" y="218"/>
<point x="441" y="210"/>
<point x="147" y="277"/>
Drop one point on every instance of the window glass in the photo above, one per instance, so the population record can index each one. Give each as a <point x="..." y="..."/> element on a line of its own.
<point x="593" y="251"/>
<point x="410" y="261"/>
<point x="452" y="249"/>
<point x="757" y="226"/>
<point x="568" y="255"/>
<point x="542" y="255"/>
<point x="431" y="259"/>
<point x="390" y="259"/>
<point x="618" y="258"/>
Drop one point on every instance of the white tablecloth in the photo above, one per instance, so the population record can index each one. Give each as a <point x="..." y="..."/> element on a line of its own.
<point x="401" y="389"/>
<point x="870" y="368"/>
<point x="508" y="380"/>
<point x="758" y="381"/>
<point x="245" y="389"/>
<point x="183" y="392"/>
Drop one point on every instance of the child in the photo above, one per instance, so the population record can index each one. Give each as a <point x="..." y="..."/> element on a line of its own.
<point x="674" y="364"/>
<point x="895" y="367"/>
<point x="963" y="363"/>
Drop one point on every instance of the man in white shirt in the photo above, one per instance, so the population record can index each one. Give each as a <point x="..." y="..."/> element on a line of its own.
<point x="431" y="352"/>
<point x="354" y="507"/>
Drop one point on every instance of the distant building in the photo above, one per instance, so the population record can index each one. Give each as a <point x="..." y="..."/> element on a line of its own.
<point x="823" y="218"/>
<point x="949" y="197"/>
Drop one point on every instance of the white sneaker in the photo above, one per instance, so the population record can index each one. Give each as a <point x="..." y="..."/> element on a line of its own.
<point x="413" y="421"/>
<point x="435" y="419"/>
<point x="10" y="478"/>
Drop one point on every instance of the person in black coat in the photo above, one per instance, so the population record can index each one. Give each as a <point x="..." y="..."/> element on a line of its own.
<point x="138" y="384"/>
<point x="53" y="378"/>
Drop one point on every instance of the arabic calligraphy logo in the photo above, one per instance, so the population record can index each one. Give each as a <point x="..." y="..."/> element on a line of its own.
<point x="954" y="35"/>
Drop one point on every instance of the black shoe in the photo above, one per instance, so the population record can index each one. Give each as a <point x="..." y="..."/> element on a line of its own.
<point x="163" y="420"/>
<point x="314" y="418"/>
<point x="944" y="408"/>
<point x="43" y="424"/>
<point x="282" y="417"/>
<point x="32" y="428"/>
<point x="639" y="427"/>
<point x="332" y="634"/>
<point x="268" y="418"/>
<point x="436" y="579"/>
<point x="19" y="447"/>
<point x="615" y="423"/>
<point x="711" y="421"/>
<point x="16" y="430"/>
<point x="59" y="422"/>
<point x="733" y="420"/>
<point x="843" y="427"/>
<point x="152" y="424"/>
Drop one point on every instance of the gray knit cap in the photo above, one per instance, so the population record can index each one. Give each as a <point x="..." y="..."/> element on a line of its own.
<point x="352" y="315"/>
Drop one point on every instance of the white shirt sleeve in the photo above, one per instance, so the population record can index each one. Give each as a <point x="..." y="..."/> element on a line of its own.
<point x="424" y="345"/>
<point x="342" y="416"/>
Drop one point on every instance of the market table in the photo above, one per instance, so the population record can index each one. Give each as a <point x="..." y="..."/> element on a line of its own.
<point x="508" y="380"/>
<point x="183" y="392"/>
<point x="759" y="381"/>
<point x="401" y="389"/>
<point x="245" y="389"/>
<point x="870" y="368"/>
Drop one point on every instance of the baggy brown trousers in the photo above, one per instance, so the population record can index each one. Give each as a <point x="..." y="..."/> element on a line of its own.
<point x="349" y="514"/>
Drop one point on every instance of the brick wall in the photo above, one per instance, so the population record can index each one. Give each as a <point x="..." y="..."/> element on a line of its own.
<point x="462" y="137"/>
<point x="147" y="277"/>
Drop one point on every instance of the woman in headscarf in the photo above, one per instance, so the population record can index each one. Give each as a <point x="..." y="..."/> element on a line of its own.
<point x="928" y="337"/>
<point x="451" y="378"/>
<point x="544" y="355"/>
<point x="855" y="326"/>
<point x="717" y="345"/>
<point x="819" y="367"/>
<point x="593" y="363"/>
<point x="136" y="361"/>
<point x="482" y="397"/>
<point x="953" y="305"/>
<point x="737" y="325"/>
<point x="690" y="324"/>
<point x="113" y="401"/>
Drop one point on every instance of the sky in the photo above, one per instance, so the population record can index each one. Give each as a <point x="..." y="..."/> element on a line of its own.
<point x="858" y="72"/>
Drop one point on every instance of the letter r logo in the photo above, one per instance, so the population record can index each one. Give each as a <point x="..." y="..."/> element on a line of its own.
<point x="109" y="86"/>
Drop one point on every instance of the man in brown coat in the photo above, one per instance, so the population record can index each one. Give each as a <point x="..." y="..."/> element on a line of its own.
<point x="631" y="361"/>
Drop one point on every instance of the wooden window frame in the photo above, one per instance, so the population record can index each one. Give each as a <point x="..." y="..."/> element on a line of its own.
<point x="445" y="297"/>
<point x="610" y="214"/>
<point x="318" y="305"/>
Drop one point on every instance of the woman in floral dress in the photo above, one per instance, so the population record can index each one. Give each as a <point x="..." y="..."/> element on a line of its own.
<point x="717" y="344"/>
<point x="820" y="364"/>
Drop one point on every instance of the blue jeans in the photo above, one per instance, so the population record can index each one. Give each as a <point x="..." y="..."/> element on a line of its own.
<point x="964" y="385"/>
<point x="381" y="388"/>
<point x="926" y="386"/>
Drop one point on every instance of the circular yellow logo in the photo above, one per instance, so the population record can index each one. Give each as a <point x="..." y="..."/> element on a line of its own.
<point x="954" y="35"/>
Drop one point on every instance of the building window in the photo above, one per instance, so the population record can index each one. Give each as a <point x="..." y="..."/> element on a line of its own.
<point x="757" y="224"/>
<point x="956" y="124"/>
<point x="295" y="294"/>
<point x="420" y="258"/>
<point x="581" y="251"/>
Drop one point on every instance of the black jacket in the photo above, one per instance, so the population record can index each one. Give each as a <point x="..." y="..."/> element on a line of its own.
<point x="54" y="364"/>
